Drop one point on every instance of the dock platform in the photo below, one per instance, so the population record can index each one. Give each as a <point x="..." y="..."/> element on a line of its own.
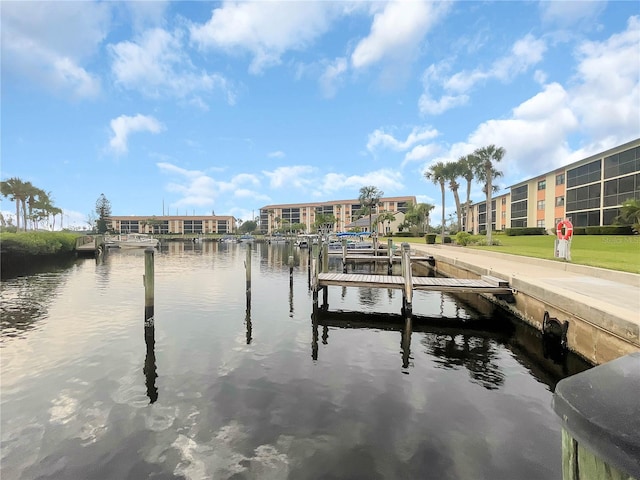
<point x="454" y="285"/>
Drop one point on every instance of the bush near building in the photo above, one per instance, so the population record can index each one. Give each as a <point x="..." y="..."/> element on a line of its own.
<point x="516" y="232"/>
<point x="37" y="243"/>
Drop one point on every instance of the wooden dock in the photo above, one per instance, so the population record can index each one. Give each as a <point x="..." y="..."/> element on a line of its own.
<point x="454" y="285"/>
<point x="90" y="245"/>
<point x="320" y="279"/>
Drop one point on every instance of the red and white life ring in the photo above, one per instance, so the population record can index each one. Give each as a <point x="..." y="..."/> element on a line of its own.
<point x="568" y="230"/>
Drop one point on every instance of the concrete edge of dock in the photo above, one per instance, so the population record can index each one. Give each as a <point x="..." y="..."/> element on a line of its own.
<point x="599" y="330"/>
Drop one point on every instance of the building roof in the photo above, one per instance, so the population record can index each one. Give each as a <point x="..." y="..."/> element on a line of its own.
<point x="171" y="217"/>
<point x="336" y="202"/>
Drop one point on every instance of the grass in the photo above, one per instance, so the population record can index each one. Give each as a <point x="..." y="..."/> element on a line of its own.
<point x="37" y="243"/>
<point x="615" y="252"/>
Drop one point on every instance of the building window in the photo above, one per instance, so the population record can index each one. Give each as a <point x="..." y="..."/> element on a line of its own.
<point x="519" y="209"/>
<point x="503" y="215"/>
<point x="622" y="163"/>
<point x="540" y="224"/>
<point x="504" y="200"/>
<point x="583" y="198"/>
<point x="560" y="201"/>
<point x="542" y="184"/>
<point x="560" y="179"/>
<point x="540" y="204"/>
<point x="519" y="193"/>
<point x="584" y="174"/>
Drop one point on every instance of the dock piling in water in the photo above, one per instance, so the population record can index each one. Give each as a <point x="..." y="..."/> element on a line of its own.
<point x="148" y="286"/>
<point x="407" y="292"/>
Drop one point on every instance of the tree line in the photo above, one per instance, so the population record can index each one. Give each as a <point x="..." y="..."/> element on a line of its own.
<point x="33" y="204"/>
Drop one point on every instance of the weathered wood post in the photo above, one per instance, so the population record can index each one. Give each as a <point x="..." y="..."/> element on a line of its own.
<point x="375" y="244"/>
<point x="314" y="271"/>
<point x="407" y="293"/>
<point x="148" y="286"/>
<point x="325" y="257"/>
<point x="290" y="262"/>
<point x="344" y="255"/>
<point x="390" y="253"/>
<point x="314" y="332"/>
<point x="247" y="266"/>
<point x="247" y="320"/>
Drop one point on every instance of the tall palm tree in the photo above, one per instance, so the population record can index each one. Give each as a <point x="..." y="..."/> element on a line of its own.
<point x="436" y="174"/>
<point x="385" y="217"/>
<point x="17" y="190"/>
<point x="38" y="201"/>
<point x="424" y="212"/>
<point x="486" y="172"/>
<point x="452" y="172"/>
<point x="369" y="197"/>
<point x="468" y="167"/>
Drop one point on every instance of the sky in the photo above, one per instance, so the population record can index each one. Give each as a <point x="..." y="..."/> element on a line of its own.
<point x="226" y="107"/>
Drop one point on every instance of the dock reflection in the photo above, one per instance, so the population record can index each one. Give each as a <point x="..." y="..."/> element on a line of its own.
<point x="454" y="342"/>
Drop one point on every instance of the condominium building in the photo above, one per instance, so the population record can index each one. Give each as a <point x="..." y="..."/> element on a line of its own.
<point x="174" y="224"/>
<point x="345" y="212"/>
<point x="588" y="192"/>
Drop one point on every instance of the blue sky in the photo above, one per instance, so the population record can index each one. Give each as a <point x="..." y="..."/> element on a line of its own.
<point x="231" y="106"/>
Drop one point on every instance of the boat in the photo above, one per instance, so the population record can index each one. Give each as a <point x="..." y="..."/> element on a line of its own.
<point x="131" y="240"/>
<point x="229" y="239"/>
<point x="355" y="243"/>
<point x="276" y="238"/>
<point x="246" y="238"/>
<point x="305" y="241"/>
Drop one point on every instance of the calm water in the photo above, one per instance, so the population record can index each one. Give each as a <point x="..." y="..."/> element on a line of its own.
<point x="218" y="390"/>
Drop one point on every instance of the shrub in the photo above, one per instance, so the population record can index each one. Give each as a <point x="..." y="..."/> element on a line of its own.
<point x="402" y="234"/>
<point x="463" y="238"/>
<point x="609" y="230"/>
<point x="592" y="230"/>
<point x="579" y="231"/>
<point x="483" y="242"/>
<point x="514" y="232"/>
<point x="430" y="238"/>
<point x="38" y="243"/>
<point x="447" y="239"/>
<point x="483" y="232"/>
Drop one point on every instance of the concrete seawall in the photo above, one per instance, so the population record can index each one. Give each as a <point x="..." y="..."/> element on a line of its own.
<point x="602" y="306"/>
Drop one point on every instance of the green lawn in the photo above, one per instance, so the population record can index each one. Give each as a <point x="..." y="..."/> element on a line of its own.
<point x="615" y="252"/>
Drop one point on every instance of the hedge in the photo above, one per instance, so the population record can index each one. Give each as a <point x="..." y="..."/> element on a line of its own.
<point x="430" y="238"/>
<point x="608" y="230"/>
<point x="515" y="232"/>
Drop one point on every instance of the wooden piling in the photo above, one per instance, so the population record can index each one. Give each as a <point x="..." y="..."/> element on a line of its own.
<point x="375" y="244"/>
<point x="314" y="269"/>
<point x="390" y="253"/>
<point x="325" y="257"/>
<point x="148" y="286"/>
<point x="247" y="265"/>
<point x="344" y="255"/>
<point x="291" y="261"/>
<point x="406" y="342"/>
<point x="408" y="278"/>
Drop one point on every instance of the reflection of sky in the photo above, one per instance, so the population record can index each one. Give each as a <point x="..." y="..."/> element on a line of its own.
<point x="74" y="398"/>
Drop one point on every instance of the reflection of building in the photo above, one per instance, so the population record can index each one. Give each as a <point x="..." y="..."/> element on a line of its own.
<point x="589" y="192"/>
<point x="174" y="224"/>
<point x="273" y="217"/>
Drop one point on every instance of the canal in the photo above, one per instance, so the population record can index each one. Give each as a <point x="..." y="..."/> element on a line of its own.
<point x="219" y="390"/>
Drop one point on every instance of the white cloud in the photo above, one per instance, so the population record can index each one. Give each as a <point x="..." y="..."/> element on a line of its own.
<point x="38" y="43"/>
<point x="276" y="154"/>
<point x="157" y="64"/>
<point x="297" y="176"/>
<point x="385" y="179"/>
<point x="197" y="189"/>
<point x="379" y="138"/>
<point x="420" y="152"/>
<point x="332" y="77"/>
<point x="264" y="29"/>
<point x="124" y="125"/>
<point x="525" y="53"/>
<point x="566" y="14"/>
<point x="397" y="31"/>
<point x="607" y="86"/>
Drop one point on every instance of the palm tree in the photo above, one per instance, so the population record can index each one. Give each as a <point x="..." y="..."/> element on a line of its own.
<point x="486" y="172"/>
<point x="436" y="174"/>
<point x="369" y="197"/>
<point x="630" y="214"/>
<point x="423" y="211"/>
<point x="468" y="167"/>
<point x="452" y="172"/>
<point x="18" y="191"/>
<point x="385" y="217"/>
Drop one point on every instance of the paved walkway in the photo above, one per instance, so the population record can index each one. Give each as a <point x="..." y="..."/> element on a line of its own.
<point x="608" y="298"/>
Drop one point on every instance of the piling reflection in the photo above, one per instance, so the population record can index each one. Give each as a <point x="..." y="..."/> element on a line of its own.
<point x="454" y="342"/>
<point x="247" y="319"/>
<point x="150" y="372"/>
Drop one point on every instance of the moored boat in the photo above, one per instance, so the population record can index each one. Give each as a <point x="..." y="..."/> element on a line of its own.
<point x="131" y="240"/>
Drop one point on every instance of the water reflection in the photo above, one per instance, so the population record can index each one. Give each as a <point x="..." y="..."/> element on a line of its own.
<point x="149" y="370"/>
<point x="453" y="342"/>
